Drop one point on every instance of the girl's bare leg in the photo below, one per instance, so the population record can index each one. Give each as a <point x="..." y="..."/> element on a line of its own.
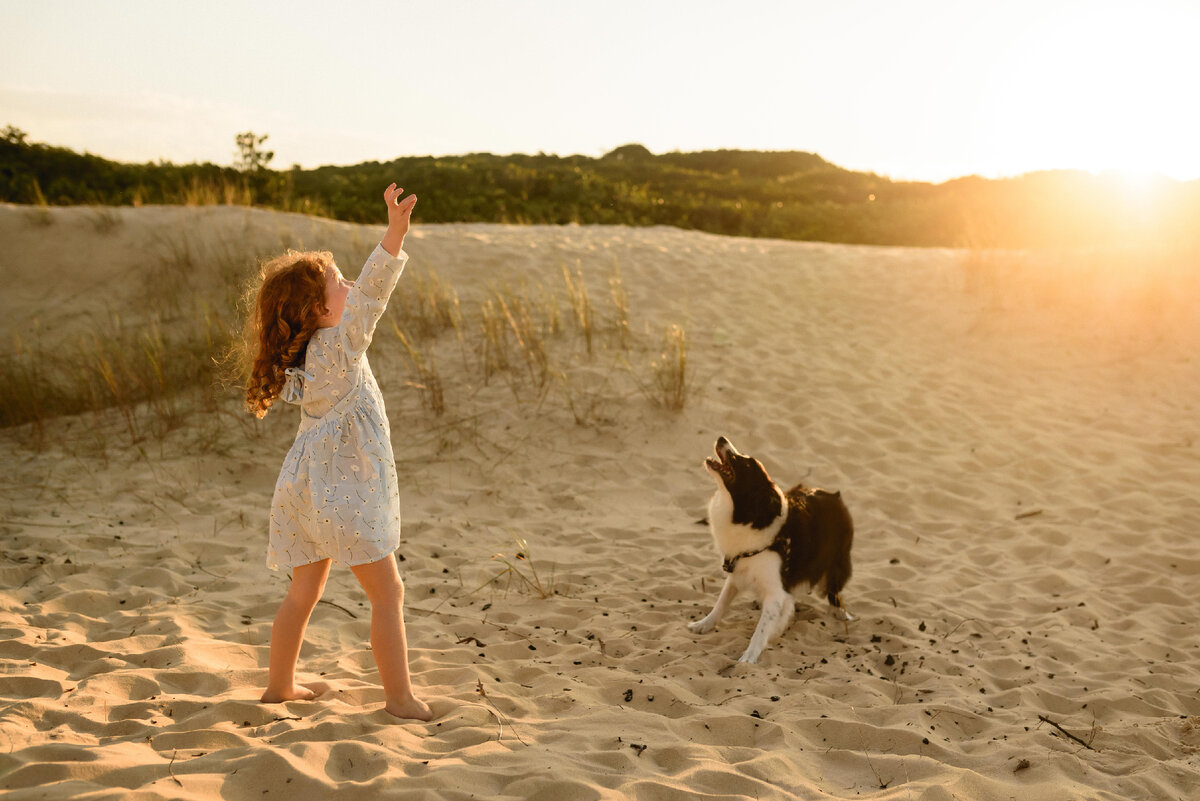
<point x="287" y="633"/>
<point x="384" y="588"/>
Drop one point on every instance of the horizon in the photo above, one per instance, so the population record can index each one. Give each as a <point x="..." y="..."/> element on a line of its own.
<point x="1124" y="176"/>
<point x="1034" y="86"/>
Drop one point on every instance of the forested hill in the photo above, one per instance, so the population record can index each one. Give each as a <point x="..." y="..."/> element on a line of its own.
<point x="791" y="195"/>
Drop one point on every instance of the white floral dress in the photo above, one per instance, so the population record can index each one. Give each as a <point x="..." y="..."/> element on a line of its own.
<point x="336" y="496"/>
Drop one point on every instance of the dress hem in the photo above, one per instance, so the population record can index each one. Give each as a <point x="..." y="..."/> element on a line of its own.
<point x="334" y="561"/>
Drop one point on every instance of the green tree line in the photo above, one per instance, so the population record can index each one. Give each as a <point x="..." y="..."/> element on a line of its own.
<point x="784" y="194"/>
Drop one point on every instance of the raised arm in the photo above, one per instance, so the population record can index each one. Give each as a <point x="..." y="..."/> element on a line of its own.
<point x="399" y="214"/>
<point x="367" y="299"/>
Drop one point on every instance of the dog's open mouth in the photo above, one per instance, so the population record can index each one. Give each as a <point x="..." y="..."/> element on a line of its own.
<point x="719" y="465"/>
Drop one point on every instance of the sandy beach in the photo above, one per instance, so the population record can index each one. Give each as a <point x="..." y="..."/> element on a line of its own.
<point x="1016" y="438"/>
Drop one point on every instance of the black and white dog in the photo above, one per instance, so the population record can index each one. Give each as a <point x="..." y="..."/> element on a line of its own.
<point x="772" y="542"/>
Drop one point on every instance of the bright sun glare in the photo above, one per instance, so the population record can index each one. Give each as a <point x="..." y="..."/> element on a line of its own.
<point x="1104" y="87"/>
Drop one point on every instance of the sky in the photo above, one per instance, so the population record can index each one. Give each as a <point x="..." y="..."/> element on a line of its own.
<point x="911" y="89"/>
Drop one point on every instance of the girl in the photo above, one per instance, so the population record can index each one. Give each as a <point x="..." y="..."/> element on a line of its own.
<point x="336" y="497"/>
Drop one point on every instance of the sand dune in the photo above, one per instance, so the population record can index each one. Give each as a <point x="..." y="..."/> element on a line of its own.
<point x="1018" y="447"/>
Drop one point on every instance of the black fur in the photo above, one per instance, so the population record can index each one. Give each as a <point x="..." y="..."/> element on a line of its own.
<point x="818" y="535"/>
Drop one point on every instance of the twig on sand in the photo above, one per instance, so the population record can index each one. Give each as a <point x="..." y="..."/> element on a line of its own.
<point x="338" y="606"/>
<point x="1045" y="719"/>
<point x="497" y="626"/>
<point x="499" y="717"/>
<point x="883" y="785"/>
<point x="204" y="569"/>
<point x="978" y="622"/>
<point x="171" y="769"/>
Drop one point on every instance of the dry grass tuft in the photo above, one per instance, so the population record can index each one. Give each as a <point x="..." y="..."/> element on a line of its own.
<point x="106" y="219"/>
<point x="427" y="306"/>
<point x="620" y="304"/>
<point x="428" y="380"/>
<point x="672" y="378"/>
<point x="581" y="305"/>
<point x="520" y="567"/>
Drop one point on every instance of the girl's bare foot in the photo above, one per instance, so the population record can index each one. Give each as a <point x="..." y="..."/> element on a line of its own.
<point x="297" y="692"/>
<point x="411" y="709"/>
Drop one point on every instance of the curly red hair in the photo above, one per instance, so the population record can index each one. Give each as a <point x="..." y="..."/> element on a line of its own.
<point x="288" y="304"/>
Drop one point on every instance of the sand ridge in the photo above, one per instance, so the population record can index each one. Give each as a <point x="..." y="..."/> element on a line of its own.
<point x="1020" y="461"/>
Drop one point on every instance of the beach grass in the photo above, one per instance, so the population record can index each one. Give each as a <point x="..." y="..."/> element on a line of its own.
<point x="171" y="350"/>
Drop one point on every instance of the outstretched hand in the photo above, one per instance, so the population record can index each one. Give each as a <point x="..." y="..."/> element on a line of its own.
<point x="399" y="217"/>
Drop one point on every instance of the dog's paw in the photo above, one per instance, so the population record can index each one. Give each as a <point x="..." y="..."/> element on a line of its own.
<point x="750" y="657"/>
<point x="701" y="626"/>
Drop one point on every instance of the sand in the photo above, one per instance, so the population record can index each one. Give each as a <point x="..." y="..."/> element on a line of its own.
<point x="1018" y="448"/>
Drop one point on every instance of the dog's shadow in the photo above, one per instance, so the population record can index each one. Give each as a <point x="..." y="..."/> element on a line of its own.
<point x="806" y="612"/>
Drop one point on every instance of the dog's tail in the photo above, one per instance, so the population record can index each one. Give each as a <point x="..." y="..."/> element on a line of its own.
<point x="839" y="567"/>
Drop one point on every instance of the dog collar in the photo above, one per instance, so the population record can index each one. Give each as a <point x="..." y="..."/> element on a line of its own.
<point x="731" y="562"/>
<point x="780" y="545"/>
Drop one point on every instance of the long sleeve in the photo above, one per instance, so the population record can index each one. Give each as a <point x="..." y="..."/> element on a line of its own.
<point x="368" y="298"/>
